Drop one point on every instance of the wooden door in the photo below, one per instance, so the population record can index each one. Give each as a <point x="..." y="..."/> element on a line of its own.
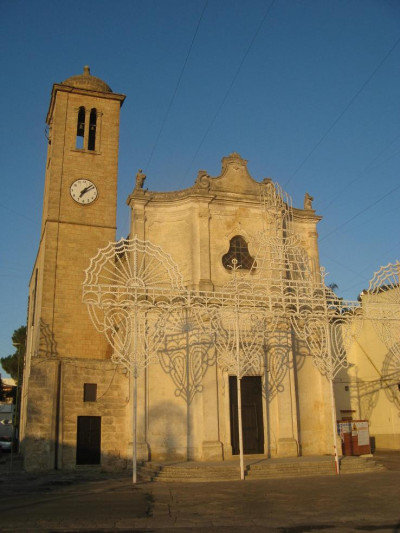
<point x="252" y="415"/>
<point x="88" y="441"/>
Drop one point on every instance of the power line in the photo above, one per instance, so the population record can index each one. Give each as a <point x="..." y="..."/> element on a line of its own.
<point x="370" y="219"/>
<point x="350" y="103"/>
<point x="235" y="76"/>
<point x="370" y="268"/>
<point x="358" y="274"/>
<point x="177" y="86"/>
<point x="362" y="172"/>
<point x="360" y="213"/>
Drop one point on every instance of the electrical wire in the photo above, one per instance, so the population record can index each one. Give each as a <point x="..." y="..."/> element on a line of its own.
<point x="367" y="220"/>
<point x="235" y="76"/>
<point x="176" y="87"/>
<point x="370" y="268"/>
<point x="344" y="266"/>
<point x="109" y="385"/>
<point x="346" y="108"/>
<point x="363" y="172"/>
<point x="360" y="213"/>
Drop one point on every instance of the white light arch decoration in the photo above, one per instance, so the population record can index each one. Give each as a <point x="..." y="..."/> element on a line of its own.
<point x="136" y="297"/>
<point x="239" y="338"/>
<point x="121" y="285"/>
<point x="382" y="307"/>
<point x="186" y="353"/>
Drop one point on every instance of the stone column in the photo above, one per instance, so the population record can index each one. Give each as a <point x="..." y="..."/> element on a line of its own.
<point x="138" y="216"/>
<point x="86" y="134"/>
<point x="314" y="254"/>
<point x="203" y="229"/>
<point x="212" y="446"/>
<point x="142" y="447"/>
<point x="287" y="410"/>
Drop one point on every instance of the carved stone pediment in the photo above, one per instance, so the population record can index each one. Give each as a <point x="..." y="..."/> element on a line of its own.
<point x="233" y="180"/>
<point x="234" y="177"/>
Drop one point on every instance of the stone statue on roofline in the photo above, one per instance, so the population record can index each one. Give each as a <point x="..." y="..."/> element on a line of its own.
<point x="140" y="177"/>
<point x="308" y="200"/>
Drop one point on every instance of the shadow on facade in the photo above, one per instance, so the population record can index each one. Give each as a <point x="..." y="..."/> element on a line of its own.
<point x="187" y="353"/>
<point x="168" y="426"/>
<point x="391" y="376"/>
<point x="47" y="344"/>
<point x="363" y="396"/>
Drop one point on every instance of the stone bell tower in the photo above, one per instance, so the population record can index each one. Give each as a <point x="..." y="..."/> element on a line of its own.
<point x="79" y="217"/>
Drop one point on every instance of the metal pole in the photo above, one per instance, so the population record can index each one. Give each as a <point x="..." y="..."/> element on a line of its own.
<point x="17" y="402"/>
<point x="15" y="418"/>
<point x="333" y="407"/>
<point x="239" y="398"/>
<point x="134" y="400"/>
<point x="187" y="388"/>
<point x="134" y="397"/>
<point x="239" y="392"/>
<point x="337" y="468"/>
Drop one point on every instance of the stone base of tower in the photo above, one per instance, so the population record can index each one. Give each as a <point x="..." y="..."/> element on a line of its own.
<point x="61" y="421"/>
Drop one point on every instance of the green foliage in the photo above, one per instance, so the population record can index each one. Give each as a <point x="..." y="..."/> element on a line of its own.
<point x="12" y="362"/>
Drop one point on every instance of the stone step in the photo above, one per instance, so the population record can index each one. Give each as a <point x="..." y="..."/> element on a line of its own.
<point x="264" y="469"/>
<point x="189" y="472"/>
<point x="350" y="465"/>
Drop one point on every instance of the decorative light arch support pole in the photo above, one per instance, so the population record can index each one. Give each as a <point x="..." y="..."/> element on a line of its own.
<point x="188" y="351"/>
<point x="239" y="393"/>
<point x="239" y="326"/>
<point x="134" y="375"/>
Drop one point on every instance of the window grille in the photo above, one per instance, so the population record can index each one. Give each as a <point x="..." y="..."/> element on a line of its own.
<point x="238" y="249"/>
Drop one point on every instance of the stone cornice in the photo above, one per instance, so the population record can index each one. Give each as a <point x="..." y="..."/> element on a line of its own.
<point x="232" y="185"/>
<point x="76" y="90"/>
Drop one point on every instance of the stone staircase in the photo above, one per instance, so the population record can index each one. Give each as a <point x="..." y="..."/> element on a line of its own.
<point x="302" y="467"/>
<point x="356" y="465"/>
<point x="255" y="468"/>
<point x="189" y="471"/>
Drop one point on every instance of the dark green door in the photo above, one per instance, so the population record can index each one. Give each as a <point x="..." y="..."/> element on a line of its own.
<point x="88" y="441"/>
<point x="252" y="415"/>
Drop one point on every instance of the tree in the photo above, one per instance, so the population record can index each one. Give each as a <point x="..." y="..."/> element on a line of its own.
<point x="13" y="362"/>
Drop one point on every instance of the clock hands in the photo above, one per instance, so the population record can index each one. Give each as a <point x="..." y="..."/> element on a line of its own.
<point x="86" y="189"/>
<point x="83" y="191"/>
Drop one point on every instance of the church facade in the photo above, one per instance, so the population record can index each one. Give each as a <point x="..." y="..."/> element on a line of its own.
<point x="77" y="403"/>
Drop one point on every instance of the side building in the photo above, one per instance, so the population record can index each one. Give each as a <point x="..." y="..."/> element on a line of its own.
<point x="369" y="389"/>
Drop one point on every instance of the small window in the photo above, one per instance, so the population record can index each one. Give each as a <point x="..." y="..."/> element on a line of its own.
<point x="80" y="130"/>
<point x="90" y="392"/>
<point x="346" y="388"/>
<point x="398" y="386"/>
<point x="92" y="129"/>
<point x="238" y="253"/>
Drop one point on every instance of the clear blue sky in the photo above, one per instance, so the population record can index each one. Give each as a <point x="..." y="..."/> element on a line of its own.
<point x="306" y="90"/>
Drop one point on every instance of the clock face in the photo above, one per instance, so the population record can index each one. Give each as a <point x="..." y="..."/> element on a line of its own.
<point x="83" y="191"/>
